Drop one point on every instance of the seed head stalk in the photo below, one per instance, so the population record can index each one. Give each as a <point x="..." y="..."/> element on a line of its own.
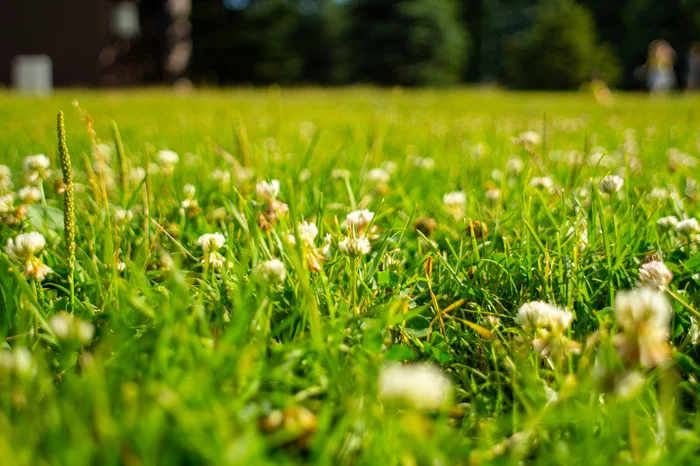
<point x="121" y="159"/>
<point x="68" y="206"/>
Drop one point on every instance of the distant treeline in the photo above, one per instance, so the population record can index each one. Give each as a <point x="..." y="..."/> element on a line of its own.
<point x="535" y="44"/>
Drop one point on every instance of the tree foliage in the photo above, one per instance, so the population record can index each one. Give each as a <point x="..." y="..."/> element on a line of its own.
<point x="409" y="42"/>
<point x="265" y="41"/>
<point x="521" y="43"/>
<point x="559" y="51"/>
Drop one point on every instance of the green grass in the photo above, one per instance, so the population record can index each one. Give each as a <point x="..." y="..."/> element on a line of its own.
<point x="192" y="364"/>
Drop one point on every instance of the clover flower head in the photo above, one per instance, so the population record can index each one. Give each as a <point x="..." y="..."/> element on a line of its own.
<point x="359" y="219"/>
<point x="455" y="199"/>
<point x="211" y="242"/>
<point x="29" y="195"/>
<point x="544" y="183"/>
<point x="655" y="274"/>
<point x="355" y="247"/>
<point x="644" y="316"/>
<point x="538" y="314"/>
<point x="308" y="231"/>
<point x="611" y="184"/>
<point x="687" y="227"/>
<point x="25" y="246"/>
<point x="667" y="223"/>
<point x="378" y="176"/>
<point x="168" y="158"/>
<point x="271" y="271"/>
<point x="268" y="190"/>
<point x="419" y="385"/>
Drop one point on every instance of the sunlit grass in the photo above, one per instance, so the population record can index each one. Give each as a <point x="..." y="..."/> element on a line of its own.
<point x="211" y="323"/>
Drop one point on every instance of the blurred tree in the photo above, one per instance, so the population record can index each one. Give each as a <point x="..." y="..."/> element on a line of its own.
<point x="266" y="41"/>
<point x="408" y="42"/>
<point x="559" y="51"/>
<point x="501" y="18"/>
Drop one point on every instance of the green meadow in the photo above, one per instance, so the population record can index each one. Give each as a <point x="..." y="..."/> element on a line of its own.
<point x="349" y="277"/>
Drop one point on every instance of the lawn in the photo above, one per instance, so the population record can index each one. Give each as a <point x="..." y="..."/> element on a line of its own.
<point x="354" y="276"/>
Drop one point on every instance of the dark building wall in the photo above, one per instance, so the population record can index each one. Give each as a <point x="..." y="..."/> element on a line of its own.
<point x="71" y="32"/>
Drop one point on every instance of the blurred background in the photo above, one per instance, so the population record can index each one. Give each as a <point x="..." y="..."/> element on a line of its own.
<point x="523" y="44"/>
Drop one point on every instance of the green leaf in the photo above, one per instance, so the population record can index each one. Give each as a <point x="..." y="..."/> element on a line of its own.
<point x="400" y="353"/>
<point x="45" y="219"/>
<point x="686" y="363"/>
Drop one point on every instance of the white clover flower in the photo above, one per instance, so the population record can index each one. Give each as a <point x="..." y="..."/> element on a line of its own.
<point x="267" y="190"/>
<point x="305" y="175"/>
<point x="243" y="174"/>
<point x="514" y="165"/>
<point x="291" y="239"/>
<point x="190" y="204"/>
<point x="531" y="138"/>
<point x="426" y="163"/>
<point x="168" y="158"/>
<point x="36" y="269"/>
<point x="455" y="199"/>
<point x="574" y="157"/>
<point x="611" y="184"/>
<point x="271" y="271"/>
<point x="189" y="190"/>
<point x="378" y="176"/>
<point x="358" y="219"/>
<point x="419" y="385"/>
<point x="36" y="168"/>
<point x="655" y="273"/>
<point x="69" y="328"/>
<point x="548" y="324"/>
<point x="18" y="361"/>
<point x="211" y="242"/>
<point x="629" y="385"/>
<point x="544" y="183"/>
<point x="215" y="259"/>
<point x="687" y="227"/>
<point x="658" y="194"/>
<point x="29" y="195"/>
<point x="599" y="157"/>
<point x="325" y="250"/>
<point x="123" y="217"/>
<point x="102" y="152"/>
<point x="538" y="314"/>
<point x="307" y="233"/>
<point x="389" y="166"/>
<point x="355" y="247"/>
<point x="221" y="176"/>
<point x="25" y="246"/>
<point x="7" y="203"/>
<point x="493" y="194"/>
<point x="667" y="223"/>
<point x="677" y="158"/>
<point x="137" y="174"/>
<point x="36" y="162"/>
<point x="644" y="316"/>
<point x="340" y="174"/>
<point x="5" y="179"/>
